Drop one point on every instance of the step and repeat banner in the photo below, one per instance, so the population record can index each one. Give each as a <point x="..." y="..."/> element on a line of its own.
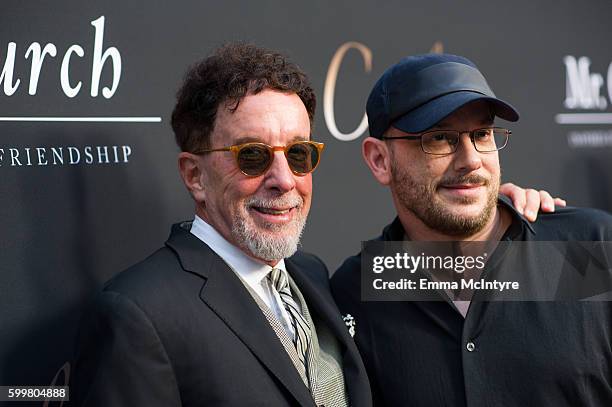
<point x="88" y="173"/>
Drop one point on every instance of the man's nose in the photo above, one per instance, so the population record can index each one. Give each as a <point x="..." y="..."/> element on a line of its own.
<point x="466" y="158"/>
<point x="279" y="176"/>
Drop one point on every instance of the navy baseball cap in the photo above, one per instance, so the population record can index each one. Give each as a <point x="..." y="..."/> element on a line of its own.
<point x="419" y="91"/>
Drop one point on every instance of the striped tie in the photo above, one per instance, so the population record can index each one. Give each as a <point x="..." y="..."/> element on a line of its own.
<point x="280" y="281"/>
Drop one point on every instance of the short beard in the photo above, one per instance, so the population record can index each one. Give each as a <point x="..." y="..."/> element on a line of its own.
<point x="272" y="244"/>
<point x="420" y="199"/>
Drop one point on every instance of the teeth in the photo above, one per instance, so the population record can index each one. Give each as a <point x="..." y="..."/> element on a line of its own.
<point x="272" y="211"/>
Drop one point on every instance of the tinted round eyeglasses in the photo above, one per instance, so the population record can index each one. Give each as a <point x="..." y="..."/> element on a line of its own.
<point x="444" y="142"/>
<point x="254" y="159"/>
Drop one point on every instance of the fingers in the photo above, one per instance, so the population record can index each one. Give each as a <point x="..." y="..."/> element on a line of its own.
<point x="560" y="202"/>
<point x="543" y="202"/>
<point x="516" y="194"/>
<point x="547" y="203"/>
<point x="529" y="201"/>
<point x="532" y="205"/>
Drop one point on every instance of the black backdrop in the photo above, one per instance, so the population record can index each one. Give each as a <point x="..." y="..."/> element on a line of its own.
<point x="67" y="227"/>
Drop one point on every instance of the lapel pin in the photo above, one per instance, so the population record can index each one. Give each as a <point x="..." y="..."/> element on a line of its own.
<point x="349" y="321"/>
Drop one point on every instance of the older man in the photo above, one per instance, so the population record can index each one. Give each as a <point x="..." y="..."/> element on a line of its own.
<point x="227" y="312"/>
<point x="433" y="141"/>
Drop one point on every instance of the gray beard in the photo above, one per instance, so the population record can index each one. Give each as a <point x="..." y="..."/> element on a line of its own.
<point x="420" y="200"/>
<point x="265" y="247"/>
<point x="268" y="246"/>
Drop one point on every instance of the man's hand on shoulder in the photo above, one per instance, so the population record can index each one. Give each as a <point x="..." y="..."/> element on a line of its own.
<point x="529" y="201"/>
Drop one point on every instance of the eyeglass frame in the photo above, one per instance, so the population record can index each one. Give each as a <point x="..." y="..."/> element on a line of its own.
<point x="236" y="148"/>
<point x="456" y="146"/>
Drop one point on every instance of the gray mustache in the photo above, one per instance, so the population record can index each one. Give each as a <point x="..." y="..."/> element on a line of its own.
<point x="282" y="201"/>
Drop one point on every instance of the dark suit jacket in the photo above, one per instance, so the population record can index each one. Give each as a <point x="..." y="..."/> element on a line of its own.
<point x="179" y="328"/>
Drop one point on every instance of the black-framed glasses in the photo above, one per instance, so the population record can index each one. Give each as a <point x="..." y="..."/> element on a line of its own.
<point x="444" y="142"/>
<point x="254" y="159"/>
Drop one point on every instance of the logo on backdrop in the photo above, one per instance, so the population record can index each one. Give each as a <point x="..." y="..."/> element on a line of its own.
<point x="330" y="90"/>
<point x="588" y="97"/>
<point x="331" y="79"/>
<point x="64" y="155"/>
<point x="71" y="87"/>
<point x="42" y="57"/>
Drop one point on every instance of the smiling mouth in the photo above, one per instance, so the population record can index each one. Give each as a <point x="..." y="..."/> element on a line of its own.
<point x="462" y="186"/>
<point x="271" y="211"/>
<point x="462" y="193"/>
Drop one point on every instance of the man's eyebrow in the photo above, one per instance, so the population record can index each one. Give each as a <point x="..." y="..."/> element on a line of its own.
<point x="246" y="139"/>
<point x="253" y="139"/>
<point x="300" y="138"/>
<point x="488" y="120"/>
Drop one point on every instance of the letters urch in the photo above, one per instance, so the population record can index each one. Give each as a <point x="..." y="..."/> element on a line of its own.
<point x="37" y="55"/>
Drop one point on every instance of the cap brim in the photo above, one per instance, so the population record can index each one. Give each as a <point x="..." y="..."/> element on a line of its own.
<point x="430" y="113"/>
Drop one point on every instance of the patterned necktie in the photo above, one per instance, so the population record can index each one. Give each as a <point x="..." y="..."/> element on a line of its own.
<point x="280" y="281"/>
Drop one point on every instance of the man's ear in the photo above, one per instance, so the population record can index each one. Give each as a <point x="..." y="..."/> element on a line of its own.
<point x="378" y="157"/>
<point x="190" y="169"/>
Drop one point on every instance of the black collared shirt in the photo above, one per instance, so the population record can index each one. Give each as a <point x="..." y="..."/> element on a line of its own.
<point x="503" y="353"/>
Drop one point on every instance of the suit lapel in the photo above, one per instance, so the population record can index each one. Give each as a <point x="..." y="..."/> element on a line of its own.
<point x="323" y="308"/>
<point x="225" y="294"/>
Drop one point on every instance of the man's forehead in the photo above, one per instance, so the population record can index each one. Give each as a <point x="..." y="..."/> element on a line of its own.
<point x="479" y="112"/>
<point x="267" y="101"/>
<point x="447" y="122"/>
<point x="263" y="116"/>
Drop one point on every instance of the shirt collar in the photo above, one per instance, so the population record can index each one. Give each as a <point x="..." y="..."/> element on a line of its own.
<point x="252" y="271"/>
<point x="519" y="222"/>
<point x="395" y="231"/>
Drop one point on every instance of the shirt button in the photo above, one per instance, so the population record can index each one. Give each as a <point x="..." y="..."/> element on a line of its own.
<point x="470" y="346"/>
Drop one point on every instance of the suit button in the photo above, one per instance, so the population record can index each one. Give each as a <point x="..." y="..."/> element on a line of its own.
<point x="470" y="346"/>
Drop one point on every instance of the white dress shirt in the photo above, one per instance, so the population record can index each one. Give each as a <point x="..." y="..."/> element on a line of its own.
<point x="251" y="271"/>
